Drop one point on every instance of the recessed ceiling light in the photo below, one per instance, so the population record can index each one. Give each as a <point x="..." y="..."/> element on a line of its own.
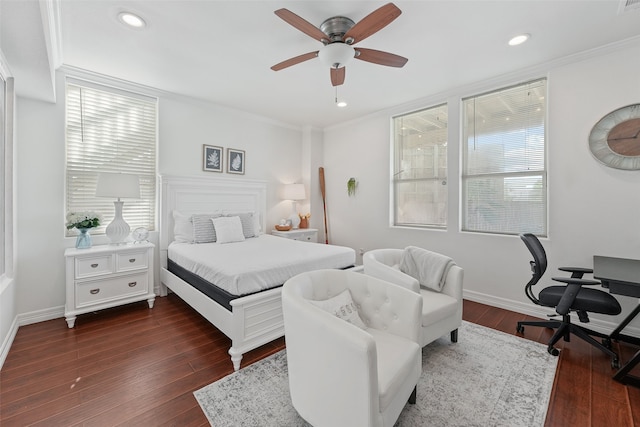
<point x="131" y="19"/>
<point x="519" y="39"/>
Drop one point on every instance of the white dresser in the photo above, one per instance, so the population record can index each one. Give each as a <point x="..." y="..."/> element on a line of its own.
<point x="304" y="234"/>
<point x="106" y="276"/>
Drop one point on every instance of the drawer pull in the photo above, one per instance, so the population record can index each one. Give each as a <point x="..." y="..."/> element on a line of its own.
<point x="94" y="291"/>
<point x="132" y="260"/>
<point x="132" y="284"/>
<point x="94" y="265"/>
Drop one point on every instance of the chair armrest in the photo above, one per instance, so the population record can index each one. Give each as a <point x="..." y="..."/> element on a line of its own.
<point x="576" y="272"/>
<point x="453" y="284"/>
<point x="376" y="268"/>
<point x="574" y="281"/>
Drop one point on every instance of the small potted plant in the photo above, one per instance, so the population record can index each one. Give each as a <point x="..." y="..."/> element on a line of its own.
<point x="83" y="222"/>
<point x="352" y="184"/>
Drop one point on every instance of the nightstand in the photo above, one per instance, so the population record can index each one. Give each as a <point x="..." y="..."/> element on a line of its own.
<point x="106" y="276"/>
<point x="304" y="234"/>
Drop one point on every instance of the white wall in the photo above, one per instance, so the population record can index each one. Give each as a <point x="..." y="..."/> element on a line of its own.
<point x="593" y="209"/>
<point x="273" y="154"/>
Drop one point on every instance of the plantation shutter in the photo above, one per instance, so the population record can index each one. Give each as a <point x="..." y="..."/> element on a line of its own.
<point x="109" y="130"/>
<point x="504" y="180"/>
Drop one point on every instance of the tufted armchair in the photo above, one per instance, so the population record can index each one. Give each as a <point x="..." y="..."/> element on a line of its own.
<point x="341" y="374"/>
<point x="441" y="311"/>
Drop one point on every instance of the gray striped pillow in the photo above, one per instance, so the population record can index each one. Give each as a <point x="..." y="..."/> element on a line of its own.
<point x="203" y="231"/>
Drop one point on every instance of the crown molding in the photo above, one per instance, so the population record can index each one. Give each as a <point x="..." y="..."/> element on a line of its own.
<point x="51" y="27"/>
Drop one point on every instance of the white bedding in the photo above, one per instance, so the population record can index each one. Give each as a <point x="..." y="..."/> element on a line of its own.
<point x="257" y="263"/>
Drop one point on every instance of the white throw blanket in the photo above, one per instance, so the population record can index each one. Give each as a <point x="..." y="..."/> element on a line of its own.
<point x="428" y="268"/>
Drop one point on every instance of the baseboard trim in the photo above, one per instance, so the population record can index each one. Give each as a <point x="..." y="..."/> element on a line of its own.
<point x="40" y="315"/>
<point x="8" y="341"/>
<point x="530" y="309"/>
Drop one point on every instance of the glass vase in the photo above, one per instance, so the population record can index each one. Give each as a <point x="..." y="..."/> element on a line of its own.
<point x="83" y="241"/>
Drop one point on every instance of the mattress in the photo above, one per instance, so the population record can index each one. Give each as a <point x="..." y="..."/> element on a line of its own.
<point x="258" y="263"/>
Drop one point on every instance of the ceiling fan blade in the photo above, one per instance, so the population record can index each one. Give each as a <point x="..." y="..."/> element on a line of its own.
<point x="380" y="57"/>
<point x="301" y="24"/>
<point x="372" y="23"/>
<point x="295" y="60"/>
<point x="337" y="76"/>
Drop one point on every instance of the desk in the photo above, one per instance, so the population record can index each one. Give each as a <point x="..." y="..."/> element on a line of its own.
<point x="622" y="277"/>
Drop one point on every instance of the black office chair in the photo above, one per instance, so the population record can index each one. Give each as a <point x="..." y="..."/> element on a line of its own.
<point x="568" y="298"/>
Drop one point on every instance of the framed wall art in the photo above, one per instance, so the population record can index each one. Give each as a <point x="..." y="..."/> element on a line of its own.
<point x="212" y="158"/>
<point x="235" y="161"/>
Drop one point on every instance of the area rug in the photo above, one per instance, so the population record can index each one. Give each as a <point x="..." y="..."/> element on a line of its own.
<point x="487" y="378"/>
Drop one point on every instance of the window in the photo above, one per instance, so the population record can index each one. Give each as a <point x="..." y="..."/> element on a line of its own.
<point x="109" y="130"/>
<point x="504" y="182"/>
<point x="420" y="168"/>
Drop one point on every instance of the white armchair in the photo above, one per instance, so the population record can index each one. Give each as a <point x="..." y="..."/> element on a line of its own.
<point x="441" y="311"/>
<point x="341" y="374"/>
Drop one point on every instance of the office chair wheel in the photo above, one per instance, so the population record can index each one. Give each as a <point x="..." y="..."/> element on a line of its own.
<point x="615" y="363"/>
<point x="520" y="329"/>
<point x="553" y="351"/>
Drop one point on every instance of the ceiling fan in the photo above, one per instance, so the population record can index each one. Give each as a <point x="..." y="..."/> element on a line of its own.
<point x="338" y="35"/>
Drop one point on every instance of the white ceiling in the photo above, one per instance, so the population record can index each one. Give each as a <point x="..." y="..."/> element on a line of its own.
<point x="221" y="51"/>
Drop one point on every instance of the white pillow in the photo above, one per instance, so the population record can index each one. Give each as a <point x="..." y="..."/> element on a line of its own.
<point x="248" y="223"/>
<point x="343" y="307"/>
<point x="182" y="228"/>
<point x="228" y="229"/>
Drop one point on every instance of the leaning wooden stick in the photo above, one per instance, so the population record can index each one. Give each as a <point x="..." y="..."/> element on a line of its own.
<point x="324" y="205"/>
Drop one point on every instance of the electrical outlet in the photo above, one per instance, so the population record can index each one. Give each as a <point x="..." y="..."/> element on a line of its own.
<point x="361" y="251"/>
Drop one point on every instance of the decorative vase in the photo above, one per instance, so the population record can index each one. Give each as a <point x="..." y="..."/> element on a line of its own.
<point x="83" y="241"/>
<point x="304" y="223"/>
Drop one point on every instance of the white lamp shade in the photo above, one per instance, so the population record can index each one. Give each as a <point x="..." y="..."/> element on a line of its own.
<point x="118" y="185"/>
<point x="293" y="192"/>
<point x="336" y="55"/>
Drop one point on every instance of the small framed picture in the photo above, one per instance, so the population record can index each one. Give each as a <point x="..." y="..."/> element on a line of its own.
<point x="212" y="157"/>
<point x="235" y="161"/>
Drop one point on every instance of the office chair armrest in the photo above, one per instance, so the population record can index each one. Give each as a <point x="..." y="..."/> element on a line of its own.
<point x="574" y="281"/>
<point x="576" y="272"/>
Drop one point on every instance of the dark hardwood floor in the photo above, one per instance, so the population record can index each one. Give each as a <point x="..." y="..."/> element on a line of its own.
<point x="135" y="366"/>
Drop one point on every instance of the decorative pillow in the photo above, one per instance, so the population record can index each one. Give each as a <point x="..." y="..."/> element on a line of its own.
<point x="228" y="229"/>
<point x="342" y="306"/>
<point x="203" y="230"/>
<point x="248" y="223"/>
<point x="182" y="228"/>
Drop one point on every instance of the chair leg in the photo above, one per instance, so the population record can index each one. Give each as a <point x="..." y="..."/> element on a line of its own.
<point x="553" y="324"/>
<point x="454" y="335"/>
<point x="414" y="394"/>
<point x="580" y="333"/>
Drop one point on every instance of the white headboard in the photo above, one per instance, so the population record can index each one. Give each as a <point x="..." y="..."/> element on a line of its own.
<point x="201" y="195"/>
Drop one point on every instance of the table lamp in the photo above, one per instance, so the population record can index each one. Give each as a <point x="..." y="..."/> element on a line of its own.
<point x="294" y="192"/>
<point x="118" y="185"/>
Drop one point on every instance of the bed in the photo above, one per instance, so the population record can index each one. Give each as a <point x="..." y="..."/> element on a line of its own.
<point x="246" y="306"/>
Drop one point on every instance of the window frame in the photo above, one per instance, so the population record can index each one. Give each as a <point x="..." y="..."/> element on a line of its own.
<point x="434" y="180"/>
<point x="148" y="180"/>
<point x="465" y="177"/>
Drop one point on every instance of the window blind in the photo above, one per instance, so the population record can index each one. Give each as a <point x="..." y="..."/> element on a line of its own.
<point x="504" y="180"/>
<point x="110" y="131"/>
<point x="420" y="168"/>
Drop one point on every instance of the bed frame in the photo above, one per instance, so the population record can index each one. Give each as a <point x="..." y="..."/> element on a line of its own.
<point x="254" y="319"/>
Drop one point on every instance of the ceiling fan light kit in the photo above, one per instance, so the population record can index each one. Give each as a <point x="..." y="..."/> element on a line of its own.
<point x="336" y="55"/>
<point x="338" y="35"/>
